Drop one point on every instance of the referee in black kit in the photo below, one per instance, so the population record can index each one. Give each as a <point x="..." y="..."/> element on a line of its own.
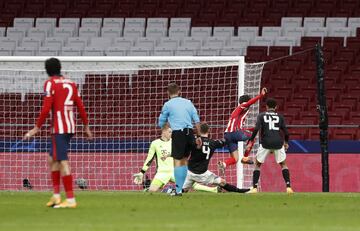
<point x="181" y="114"/>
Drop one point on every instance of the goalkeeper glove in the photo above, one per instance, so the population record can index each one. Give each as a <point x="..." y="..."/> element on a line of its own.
<point x="138" y="178"/>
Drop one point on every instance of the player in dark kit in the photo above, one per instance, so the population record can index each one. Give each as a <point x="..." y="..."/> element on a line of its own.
<point x="271" y="126"/>
<point x="199" y="162"/>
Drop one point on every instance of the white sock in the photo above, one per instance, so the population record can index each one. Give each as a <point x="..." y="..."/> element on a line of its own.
<point x="71" y="200"/>
<point x="56" y="195"/>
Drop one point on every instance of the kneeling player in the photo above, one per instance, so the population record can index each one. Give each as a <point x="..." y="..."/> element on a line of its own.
<point x="271" y="125"/>
<point x="160" y="150"/>
<point x="199" y="162"/>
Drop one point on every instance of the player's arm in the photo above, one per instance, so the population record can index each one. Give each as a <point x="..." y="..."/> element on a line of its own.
<point x="218" y="143"/>
<point x="195" y="118"/>
<point x="286" y="133"/>
<point x="138" y="177"/>
<point x="257" y="127"/>
<point x="255" y="99"/>
<point x="81" y="108"/>
<point x="163" y="116"/>
<point x="45" y="110"/>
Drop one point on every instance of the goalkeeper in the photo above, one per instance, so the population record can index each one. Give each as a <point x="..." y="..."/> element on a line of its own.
<point x="160" y="150"/>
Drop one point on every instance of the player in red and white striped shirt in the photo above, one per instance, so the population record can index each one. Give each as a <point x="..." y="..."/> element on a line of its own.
<point x="61" y="95"/>
<point x="236" y="132"/>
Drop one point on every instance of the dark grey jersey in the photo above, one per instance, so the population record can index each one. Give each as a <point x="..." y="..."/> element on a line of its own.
<point x="272" y="129"/>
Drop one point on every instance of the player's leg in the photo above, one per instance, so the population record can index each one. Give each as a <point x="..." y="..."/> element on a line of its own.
<point x="62" y="146"/>
<point x="204" y="188"/>
<point x="231" y="188"/>
<point x="155" y="185"/>
<point x="260" y="159"/>
<point x="55" y="178"/>
<point x="280" y="157"/>
<point x="189" y="182"/>
<point x="160" y="179"/>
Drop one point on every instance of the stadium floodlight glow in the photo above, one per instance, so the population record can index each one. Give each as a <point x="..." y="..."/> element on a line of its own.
<point x="123" y="97"/>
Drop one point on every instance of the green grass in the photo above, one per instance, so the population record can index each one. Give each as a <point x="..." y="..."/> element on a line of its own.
<point x="194" y="211"/>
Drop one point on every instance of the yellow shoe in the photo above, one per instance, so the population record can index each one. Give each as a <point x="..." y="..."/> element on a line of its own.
<point x="66" y="204"/>
<point x="289" y="190"/>
<point x="252" y="191"/>
<point x="53" y="201"/>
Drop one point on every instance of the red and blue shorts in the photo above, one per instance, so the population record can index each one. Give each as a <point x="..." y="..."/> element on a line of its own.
<point x="232" y="138"/>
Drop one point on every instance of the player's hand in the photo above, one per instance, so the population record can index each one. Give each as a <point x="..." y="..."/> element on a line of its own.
<point x="198" y="142"/>
<point x="286" y="146"/>
<point x="138" y="178"/>
<point x="264" y="91"/>
<point x="31" y="133"/>
<point x="88" y="133"/>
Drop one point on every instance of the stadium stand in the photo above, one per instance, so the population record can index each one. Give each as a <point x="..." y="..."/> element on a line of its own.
<point x="260" y="29"/>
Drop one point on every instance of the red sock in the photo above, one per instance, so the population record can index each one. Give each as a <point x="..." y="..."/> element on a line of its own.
<point x="67" y="181"/>
<point x="230" y="161"/>
<point x="248" y="150"/>
<point x="55" y="176"/>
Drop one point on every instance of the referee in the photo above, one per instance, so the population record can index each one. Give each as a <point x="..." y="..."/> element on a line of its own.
<point x="180" y="113"/>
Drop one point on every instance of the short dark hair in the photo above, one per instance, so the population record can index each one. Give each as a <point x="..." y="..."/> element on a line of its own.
<point x="173" y="89"/>
<point x="204" y="128"/>
<point x="244" y="98"/>
<point x="53" y="66"/>
<point x="271" y="103"/>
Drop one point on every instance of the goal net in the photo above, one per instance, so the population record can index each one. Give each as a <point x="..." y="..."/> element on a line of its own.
<point x="123" y="97"/>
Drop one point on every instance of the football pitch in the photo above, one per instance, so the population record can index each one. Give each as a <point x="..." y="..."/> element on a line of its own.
<point x="193" y="211"/>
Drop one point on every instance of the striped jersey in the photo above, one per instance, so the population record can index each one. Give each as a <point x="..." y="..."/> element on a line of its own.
<point x="60" y="97"/>
<point x="238" y="116"/>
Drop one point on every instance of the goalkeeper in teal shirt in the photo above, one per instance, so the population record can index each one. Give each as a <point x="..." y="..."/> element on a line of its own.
<point x="160" y="150"/>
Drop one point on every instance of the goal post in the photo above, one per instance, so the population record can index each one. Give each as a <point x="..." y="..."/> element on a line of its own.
<point x="123" y="97"/>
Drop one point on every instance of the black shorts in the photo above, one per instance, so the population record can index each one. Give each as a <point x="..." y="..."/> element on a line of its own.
<point x="182" y="142"/>
<point x="60" y="144"/>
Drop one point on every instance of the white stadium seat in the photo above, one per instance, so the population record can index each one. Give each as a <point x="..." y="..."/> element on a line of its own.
<point x="180" y="23"/>
<point x="111" y="32"/>
<point x="249" y="32"/>
<point x="26" y="23"/>
<point x="113" y="22"/>
<point x="157" y="23"/>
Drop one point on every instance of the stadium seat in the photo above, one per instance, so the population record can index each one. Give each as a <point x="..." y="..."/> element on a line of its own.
<point x="77" y="42"/>
<point x="2" y="31"/>
<point x="25" y="51"/>
<point x="8" y="43"/>
<point x="296" y="32"/>
<point x="135" y="23"/>
<point x="124" y="42"/>
<point x="48" y="51"/>
<point x="339" y="32"/>
<point x="46" y="23"/>
<point x="314" y="22"/>
<point x="134" y="32"/>
<point x="156" y="33"/>
<point x="180" y="23"/>
<point x="37" y="33"/>
<point x="159" y="23"/>
<point x="146" y="43"/>
<point x="353" y="23"/>
<point x="171" y="43"/>
<point x="113" y="22"/>
<point x="31" y="42"/>
<point x="25" y="23"/>
<point x="72" y="23"/>
<point x="215" y="42"/>
<point x="201" y="32"/>
<point x="111" y="32"/>
<point x="6" y="51"/>
<point x="192" y="43"/>
<point x="93" y="51"/>
<point x="163" y="51"/>
<point x="71" y="51"/>
<point x="316" y="32"/>
<point x="101" y="43"/>
<point x="89" y="32"/>
<point x="64" y="32"/>
<point x="54" y="42"/>
<point x="179" y="32"/>
<point x="91" y="23"/>
<point x="185" y="51"/>
<point x="226" y="32"/>
<point x="208" y="51"/>
<point x="140" y="51"/>
<point x="291" y="22"/>
<point x="262" y="41"/>
<point x="248" y="32"/>
<point x="16" y="33"/>
<point x="232" y="51"/>
<point x="271" y="32"/>
<point x="241" y="42"/>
